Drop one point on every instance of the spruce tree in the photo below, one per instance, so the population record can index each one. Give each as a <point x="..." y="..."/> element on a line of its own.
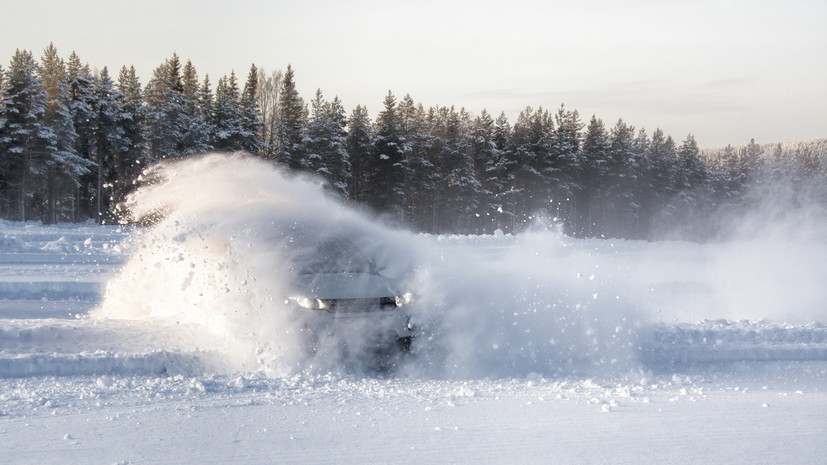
<point x="166" y="120"/>
<point x="690" y="202"/>
<point x="325" y="143"/>
<point x="130" y="156"/>
<point x="752" y="163"/>
<point x="27" y="138"/>
<point x="3" y="119"/>
<point x="196" y="133"/>
<point x="81" y="85"/>
<point x="691" y="171"/>
<point x="532" y="138"/>
<point x="5" y="139"/>
<point x="596" y="148"/>
<point x="387" y="167"/>
<point x="316" y="137"/>
<point x="291" y="124"/>
<point x="358" y="145"/>
<point x="419" y="182"/>
<point x="228" y="133"/>
<point x="622" y="206"/>
<point x="501" y="171"/>
<point x="110" y="142"/>
<point x="484" y="153"/>
<point x="455" y="199"/>
<point x="565" y="170"/>
<point x="336" y="156"/>
<point x="206" y="104"/>
<point x="643" y="186"/>
<point x="250" y="114"/>
<point x="661" y="161"/>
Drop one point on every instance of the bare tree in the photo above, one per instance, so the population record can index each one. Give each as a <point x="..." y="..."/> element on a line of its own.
<point x="268" y="95"/>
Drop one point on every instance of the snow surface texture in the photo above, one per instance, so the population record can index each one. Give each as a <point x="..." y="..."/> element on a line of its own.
<point x="171" y="343"/>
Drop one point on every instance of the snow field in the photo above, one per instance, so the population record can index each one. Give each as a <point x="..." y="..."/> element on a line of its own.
<point x="758" y="416"/>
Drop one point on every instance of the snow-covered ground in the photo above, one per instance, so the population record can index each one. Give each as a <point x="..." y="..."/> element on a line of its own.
<point x="169" y="344"/>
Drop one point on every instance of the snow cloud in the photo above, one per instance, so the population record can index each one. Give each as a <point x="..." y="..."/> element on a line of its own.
<point x="219" y="253"/>
<point x="218" y="257"/>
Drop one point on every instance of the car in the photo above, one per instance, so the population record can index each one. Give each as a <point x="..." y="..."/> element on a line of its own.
<point x="338" y="291"/>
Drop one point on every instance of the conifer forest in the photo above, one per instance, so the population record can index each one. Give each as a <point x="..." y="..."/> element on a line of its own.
<point x="73" y="143"/>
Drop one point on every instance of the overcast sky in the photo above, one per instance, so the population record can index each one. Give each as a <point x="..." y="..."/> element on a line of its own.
<point x="725" y="71"/>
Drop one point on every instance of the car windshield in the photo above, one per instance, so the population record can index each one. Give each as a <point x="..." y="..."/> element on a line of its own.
<point x="337" y="255"/>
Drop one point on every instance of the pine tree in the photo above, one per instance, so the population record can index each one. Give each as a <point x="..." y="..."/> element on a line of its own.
<point x="64" y="166"/>
<point x="291" y="124"/>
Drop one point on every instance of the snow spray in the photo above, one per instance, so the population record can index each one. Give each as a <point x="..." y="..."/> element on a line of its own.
<point x="219" y="252"/>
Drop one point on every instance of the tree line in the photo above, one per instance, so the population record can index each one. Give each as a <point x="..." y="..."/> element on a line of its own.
<point x="73" y="143"/>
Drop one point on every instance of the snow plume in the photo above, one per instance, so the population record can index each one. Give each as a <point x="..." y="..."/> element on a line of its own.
<point x="219" y="253"/>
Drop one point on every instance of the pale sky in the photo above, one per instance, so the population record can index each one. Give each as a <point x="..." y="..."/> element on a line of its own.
<point x="725" y="71"/>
